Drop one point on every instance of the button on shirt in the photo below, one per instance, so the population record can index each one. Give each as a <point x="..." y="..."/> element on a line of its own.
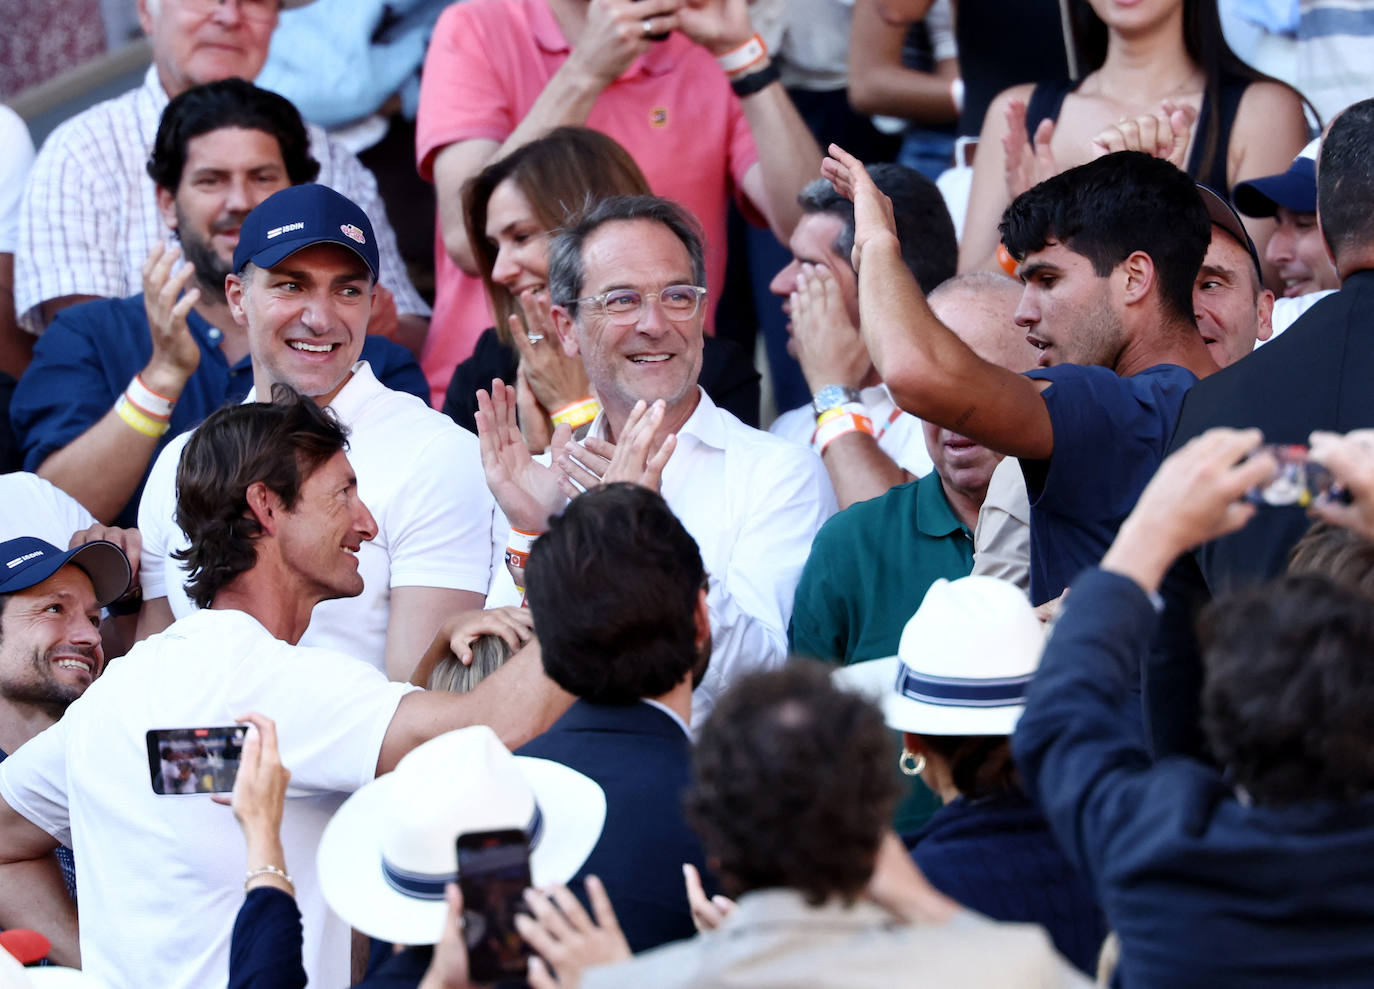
<point x="89" y="215"/>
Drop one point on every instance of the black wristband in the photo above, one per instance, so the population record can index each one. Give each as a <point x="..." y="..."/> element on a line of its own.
<point x="754" y="81"/>
<point x="127" y="605"/>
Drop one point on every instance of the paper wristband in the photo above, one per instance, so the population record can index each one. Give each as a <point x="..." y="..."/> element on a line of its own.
<point x="578" y="413"/>
<point x="521" y="541"/>
<point x="137" y="421"/>
<point x="516" y="558"/>
<point x="150" y="402"/>
<point x="742" y="57"/>
<point x="840" y="426"/>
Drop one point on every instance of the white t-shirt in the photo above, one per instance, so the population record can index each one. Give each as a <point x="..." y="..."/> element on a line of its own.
<point x="32" y="506"/>
<point x="753" y="503"/>
<point x="899" y="435"/>
<point x="161" y="877"/>
<point x="418" y="473"/>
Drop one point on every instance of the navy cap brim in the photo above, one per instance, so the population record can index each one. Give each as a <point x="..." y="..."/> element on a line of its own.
<point x="1223" y="215"/>
<point x="270" y="257"/>
<point x="102" y="561"/>
<point x="1295" y="189"/>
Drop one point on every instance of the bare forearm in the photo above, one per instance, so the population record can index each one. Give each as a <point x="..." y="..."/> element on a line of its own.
<point x="789" y="157"/>
<point x="33" y="896"/>
<point x="880" y="83"/>
<point x="103" y="466"/>
<point x="859" y="469"/>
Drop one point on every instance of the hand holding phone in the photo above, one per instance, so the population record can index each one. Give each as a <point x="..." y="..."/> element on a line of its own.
<point x="194" y="760"/>
<point x="493" y="874"/>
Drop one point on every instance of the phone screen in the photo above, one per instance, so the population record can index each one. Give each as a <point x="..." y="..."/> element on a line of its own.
<point x="194" y="760"/>
<point x="493" y="873"/>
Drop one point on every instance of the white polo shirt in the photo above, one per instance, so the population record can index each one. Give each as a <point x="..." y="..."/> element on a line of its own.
<point x="418" y="473"/>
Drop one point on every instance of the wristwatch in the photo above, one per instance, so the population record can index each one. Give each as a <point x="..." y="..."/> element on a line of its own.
<point x="834" y="396"/>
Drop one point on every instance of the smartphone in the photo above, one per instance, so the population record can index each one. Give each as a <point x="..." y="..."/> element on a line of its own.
<point x="493" y="873"/>
<point x="195" y="760"/>
<point x="1299" y="481"/>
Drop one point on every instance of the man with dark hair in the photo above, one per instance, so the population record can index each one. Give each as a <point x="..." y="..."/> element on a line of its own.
<point x="1258" y="872"/>
<point x="1108" y="253"/>
<point x="114" y="381"/>
<point x="792" y="797"/>
<point x="300" y="294"/>
<point x="1316" y="375"/>
<point x="627" y="280"/>
<point x="89" y="219"/>
<point x="272" y="506"/>
<point x="875" y="445"/>
<point x="631" y="650"/>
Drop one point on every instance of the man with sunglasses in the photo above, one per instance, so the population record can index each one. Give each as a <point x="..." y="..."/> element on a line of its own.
<point x="628" y="279"/>
<point x="89" y="215"/>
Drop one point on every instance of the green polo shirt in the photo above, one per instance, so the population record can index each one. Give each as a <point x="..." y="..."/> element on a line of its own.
<point x="870" y="567"/>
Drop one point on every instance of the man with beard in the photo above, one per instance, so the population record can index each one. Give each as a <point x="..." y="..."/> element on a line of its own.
<point x="631" y="649"/>
<point x="114" y="380"/>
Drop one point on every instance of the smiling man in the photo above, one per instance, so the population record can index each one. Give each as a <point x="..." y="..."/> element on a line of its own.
<point x="628" y="281"/>
<point x="89" y="219"/>
<point x="1108" y="253"/>
<point x="174" y="349"/>
<point x="302" y="289"/>
<point x="1234" y="310"/>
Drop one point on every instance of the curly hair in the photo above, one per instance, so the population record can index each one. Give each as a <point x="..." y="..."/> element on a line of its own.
<point x="794" y="785"/>
<point x="613" y="589"/>
<point x="279" y="443"/>
<point x="1288" y="690"/>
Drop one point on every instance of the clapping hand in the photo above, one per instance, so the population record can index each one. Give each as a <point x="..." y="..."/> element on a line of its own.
<point x="594" y="462"/>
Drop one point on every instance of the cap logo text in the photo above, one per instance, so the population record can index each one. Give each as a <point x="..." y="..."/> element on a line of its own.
<point x="288" y="228"/>
<point x="353" y="233"/>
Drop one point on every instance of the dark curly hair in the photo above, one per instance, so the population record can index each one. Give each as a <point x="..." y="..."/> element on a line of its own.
<point x="1288" y="690"/>
<point x="1112" y="207"/>
<point x="613" y="588"/>
<point x="280" y="443"/>
<point x="794" y="785"/>
<point x="229" y="103"/>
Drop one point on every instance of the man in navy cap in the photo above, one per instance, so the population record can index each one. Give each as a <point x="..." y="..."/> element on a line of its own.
<point x="50" y="652"/>
<point x="303" y="283"/>
<point x="1296" y="249"/>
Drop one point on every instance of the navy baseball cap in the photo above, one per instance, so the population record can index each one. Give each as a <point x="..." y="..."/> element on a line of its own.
<point x="27" y="561"/>
<point x="1224" y="215"/>
<point x="1295" y="189"/>
<point x="298" y="217"/>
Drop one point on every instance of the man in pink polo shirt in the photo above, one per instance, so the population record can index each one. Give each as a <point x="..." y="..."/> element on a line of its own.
<point x="501" y="73"/>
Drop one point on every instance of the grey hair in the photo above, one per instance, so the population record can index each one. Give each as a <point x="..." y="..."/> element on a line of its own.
<point x="566" y="270"/>
<point x="489" y="652"/>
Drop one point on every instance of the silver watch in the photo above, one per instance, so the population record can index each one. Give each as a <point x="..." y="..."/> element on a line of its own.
<point x="833" y="396"/>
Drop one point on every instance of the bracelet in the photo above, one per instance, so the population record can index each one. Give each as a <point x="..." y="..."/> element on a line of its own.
<point x="267" y="870"/>
<point x="742" y="56"/>
<point x="149" y="402"/>
<point x="521" y="541"/>
<point x="578" y="413"/>
<point x="515" y="558"/>
<point x="840" y="426"/>
<point x="848" y="408"/>
<point x="754" y="81"/>
<point x="137" y="420"/>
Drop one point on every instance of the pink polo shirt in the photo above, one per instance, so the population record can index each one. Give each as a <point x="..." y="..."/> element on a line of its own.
<point x="672" y="109"/>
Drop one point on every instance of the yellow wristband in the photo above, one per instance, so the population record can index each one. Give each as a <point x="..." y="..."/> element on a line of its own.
<point x="137" y="421"/>
<point x="578" y="413"/>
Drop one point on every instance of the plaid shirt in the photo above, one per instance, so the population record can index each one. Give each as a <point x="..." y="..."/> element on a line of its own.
<point x="89" y="215"/>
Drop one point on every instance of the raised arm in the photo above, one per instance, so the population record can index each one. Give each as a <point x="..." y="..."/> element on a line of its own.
<point x="931" y="373"/>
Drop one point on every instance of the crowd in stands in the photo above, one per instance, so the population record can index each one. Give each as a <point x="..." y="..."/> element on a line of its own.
<point x="656" y="493"/>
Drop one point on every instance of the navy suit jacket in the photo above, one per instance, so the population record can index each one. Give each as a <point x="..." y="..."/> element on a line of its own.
<point x="641" y="759"/>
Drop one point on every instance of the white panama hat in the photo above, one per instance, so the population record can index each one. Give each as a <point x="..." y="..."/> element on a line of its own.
<point x="963" y="663"/>
<point x="389" y="850"/>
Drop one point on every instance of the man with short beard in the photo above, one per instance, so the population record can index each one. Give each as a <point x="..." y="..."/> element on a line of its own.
<point x="114" y="380"/>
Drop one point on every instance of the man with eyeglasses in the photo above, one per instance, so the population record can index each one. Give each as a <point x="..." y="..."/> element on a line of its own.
<point x="89" y="216"/>
<point x="628" y="278"/>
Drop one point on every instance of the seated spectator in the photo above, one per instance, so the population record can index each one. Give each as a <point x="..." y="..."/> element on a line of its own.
<point x="173" y="353"/>
<point x="1255" y="871"/>
<point x="1233" y="309"/>
<point x="301" y="288"/>
<point x="1296" y="248"/>
<point x="89" y="219"/>
<point x="1243" y="123"/>
<point x="500" y="73"/>
<point x="391" y="841"/>
<point x="631" y="651"/>
<point x="791" y="799"/>
<point x="513" y="207"/>
<point x="820" y="294"/>
<point x="955" y="690"/>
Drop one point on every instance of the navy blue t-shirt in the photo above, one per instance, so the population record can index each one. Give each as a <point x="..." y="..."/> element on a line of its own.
<point x="1110" y="434"/>
<point x="90" y="353"/>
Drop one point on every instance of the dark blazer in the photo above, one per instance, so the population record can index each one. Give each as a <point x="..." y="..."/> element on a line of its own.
<point x="641" y="758"/>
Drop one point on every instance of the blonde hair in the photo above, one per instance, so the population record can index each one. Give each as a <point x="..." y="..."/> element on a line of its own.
<point x="489" y="652"/>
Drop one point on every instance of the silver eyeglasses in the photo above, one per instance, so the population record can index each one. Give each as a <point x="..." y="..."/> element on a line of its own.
<point x="261" y="11"/>
<point x="624" y="306"/>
